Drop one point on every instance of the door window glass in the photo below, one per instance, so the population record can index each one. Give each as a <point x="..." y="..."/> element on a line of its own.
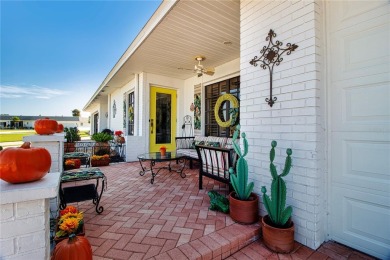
<point x="163" y="118"/>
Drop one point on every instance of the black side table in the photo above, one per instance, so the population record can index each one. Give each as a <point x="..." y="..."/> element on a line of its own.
<point x="83" y="192"/>
<point x="153" y="158"/>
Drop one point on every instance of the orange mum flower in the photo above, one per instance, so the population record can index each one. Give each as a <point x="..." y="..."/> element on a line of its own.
<point x="69" y="225"/>
<point x="68" y="209"/>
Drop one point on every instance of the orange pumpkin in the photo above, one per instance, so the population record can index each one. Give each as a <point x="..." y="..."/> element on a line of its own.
<point x="74" y="248"/>
<point x="45" y="126"/>
<point x="24" y="164"/>
<point x="60" y="128"/>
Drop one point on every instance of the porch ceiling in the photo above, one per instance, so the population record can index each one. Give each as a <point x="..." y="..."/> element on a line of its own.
<point x="188" y="29"/>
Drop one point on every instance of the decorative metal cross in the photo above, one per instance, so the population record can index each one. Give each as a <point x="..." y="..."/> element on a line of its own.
<point x="271" y="57"/>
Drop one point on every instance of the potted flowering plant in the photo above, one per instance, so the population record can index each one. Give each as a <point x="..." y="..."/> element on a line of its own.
<point x="71" y="135"/>
<point x="72" y="164"/>
<point x="100" y="160"/>
<point x="163" y="150"/>
<point x="70" y="221"/>
<point x="119" y="137"/>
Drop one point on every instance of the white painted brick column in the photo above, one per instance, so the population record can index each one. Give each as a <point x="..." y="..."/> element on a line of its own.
<point x="54" y="144"/>
<point x="296" y="120"/>
<point x="25" y="218"/>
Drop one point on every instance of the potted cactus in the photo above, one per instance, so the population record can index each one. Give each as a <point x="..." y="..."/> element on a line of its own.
<point x="244" y="204"/>
<point x="278" y="229"/>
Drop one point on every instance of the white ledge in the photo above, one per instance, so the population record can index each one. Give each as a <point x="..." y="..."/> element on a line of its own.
<point x="47" y="187"/>
<point x="44" y="138"/>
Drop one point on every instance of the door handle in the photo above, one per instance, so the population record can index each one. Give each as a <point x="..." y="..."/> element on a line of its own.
<point x="151" y="126"/>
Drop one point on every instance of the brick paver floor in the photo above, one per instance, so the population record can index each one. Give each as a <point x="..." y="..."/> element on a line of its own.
<point x="170" y="219"/>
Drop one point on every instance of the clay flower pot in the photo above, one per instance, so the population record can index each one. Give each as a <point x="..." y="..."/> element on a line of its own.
<point x="69" y="147"/>
<point x="101" y="148"/>
<point x="244" y="211"/>
<point x="280" y="240"/>
<point x="120" y="139"/>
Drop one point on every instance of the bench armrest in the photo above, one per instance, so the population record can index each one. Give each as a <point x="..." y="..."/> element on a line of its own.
<point x="184" y="142"/>
<point x="215" y="163"/>
<point x="216" y="158"/>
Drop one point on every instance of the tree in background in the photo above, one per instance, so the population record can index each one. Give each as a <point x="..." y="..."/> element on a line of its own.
<point x="75" y="112"/>
<point x="15" y="121"/>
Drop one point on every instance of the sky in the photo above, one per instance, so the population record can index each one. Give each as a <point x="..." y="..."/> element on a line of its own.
<point x="55" y="54"/>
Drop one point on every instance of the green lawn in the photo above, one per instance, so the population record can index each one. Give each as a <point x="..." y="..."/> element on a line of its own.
<point x="14" y="135"/>
<point x="10" y="135"/>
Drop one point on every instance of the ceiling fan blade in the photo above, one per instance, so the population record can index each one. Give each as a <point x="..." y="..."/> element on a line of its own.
<point x="184" y="69"/>
<point x="209" y="71"/>
<point x="199" y="68"/>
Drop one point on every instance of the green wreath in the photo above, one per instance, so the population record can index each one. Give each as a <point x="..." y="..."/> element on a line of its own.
<point x="233" y="111"/>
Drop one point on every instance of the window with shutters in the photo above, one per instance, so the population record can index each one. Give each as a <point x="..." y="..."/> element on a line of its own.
<point x="212" y="93"/>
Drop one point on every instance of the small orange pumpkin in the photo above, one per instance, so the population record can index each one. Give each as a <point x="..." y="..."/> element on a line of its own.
<point x="60" y="128"/>
<point x="74" y="248"/>
<point x="45" y="126"/>
<point x="24" y="164"/>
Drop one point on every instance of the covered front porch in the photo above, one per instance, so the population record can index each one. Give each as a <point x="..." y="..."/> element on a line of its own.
<point x="319" y="107"/>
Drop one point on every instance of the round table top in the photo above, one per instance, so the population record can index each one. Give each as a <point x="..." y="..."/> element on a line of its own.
<point x="156" y="156"/>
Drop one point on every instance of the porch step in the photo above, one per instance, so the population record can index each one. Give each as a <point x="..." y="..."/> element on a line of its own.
<point x="217" y="245"/>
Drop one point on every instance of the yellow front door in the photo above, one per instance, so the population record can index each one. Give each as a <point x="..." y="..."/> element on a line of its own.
<point x="162" y="122"/>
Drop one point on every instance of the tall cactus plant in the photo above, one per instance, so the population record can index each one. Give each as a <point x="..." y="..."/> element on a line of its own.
<point x="239" y="179"/>
<point x="275" y="205"/>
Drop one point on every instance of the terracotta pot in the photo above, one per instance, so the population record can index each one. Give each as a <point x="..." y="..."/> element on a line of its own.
<point x="244" y="211"/>
<point x="101" y="162"/>
<point x="76" y="162"/>
<point x="101" y="148"/>
<point x="120" y="139"/>
<point x="280" y="240"/>
<point x="69" y="147"/>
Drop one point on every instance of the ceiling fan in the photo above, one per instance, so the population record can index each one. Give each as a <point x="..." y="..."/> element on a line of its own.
<point x="199" y="69"/>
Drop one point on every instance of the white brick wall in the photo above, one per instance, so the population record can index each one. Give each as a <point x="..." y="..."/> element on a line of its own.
<point x="296" y="119"/>
<point x="24" y="231"/>
<point x="24" y="218"/>
<point x="55" y="146"/>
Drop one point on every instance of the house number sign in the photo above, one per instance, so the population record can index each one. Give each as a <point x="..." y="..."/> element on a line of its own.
<point x="271" y="55"/>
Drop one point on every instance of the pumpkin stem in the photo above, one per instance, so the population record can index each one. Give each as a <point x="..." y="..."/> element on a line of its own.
<point x="26" y="145"/>
<point x="71" y="238"/>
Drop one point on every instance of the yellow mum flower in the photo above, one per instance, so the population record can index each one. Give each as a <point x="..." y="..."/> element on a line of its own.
<point x="78" y="216"/>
